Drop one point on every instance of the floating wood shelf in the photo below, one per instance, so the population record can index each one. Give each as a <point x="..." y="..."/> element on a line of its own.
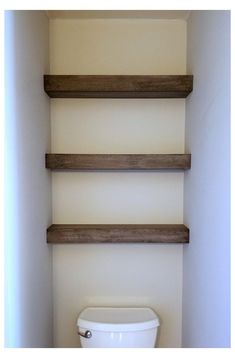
<point x="118" y="161"/>
<point x="81" y="234"/>
<point x="107" y="86"/>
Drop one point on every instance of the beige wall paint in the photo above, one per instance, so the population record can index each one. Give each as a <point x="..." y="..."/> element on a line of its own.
<point x="118" y="126"/>
<point x="117" y="274"/>
<point x="138" y="198"/>
<point x="114" y="46"/>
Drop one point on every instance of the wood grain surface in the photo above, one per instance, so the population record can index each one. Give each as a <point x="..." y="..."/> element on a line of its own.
<point x="67" y="234"/>
<point x="118" y="161"/>
<point x="115" y="86"/>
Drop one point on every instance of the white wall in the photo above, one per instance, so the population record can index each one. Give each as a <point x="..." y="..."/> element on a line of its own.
<point x="206" y="294"/>
<point x="28" y="288"/>
<point x="117" y="274"/>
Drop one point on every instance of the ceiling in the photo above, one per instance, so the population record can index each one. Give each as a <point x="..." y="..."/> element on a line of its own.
<point x="118" y="14"/>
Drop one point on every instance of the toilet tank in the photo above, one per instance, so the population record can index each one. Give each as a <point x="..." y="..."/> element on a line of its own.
<point x="118" y="327"/>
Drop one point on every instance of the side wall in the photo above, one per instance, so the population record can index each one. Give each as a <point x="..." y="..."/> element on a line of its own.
<point x="28" y="287"/>
<point x="206" y="283"/>
<point x="126" y="275"/>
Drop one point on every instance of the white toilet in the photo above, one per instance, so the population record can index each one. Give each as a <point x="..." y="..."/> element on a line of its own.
<point x="117" y="327"/>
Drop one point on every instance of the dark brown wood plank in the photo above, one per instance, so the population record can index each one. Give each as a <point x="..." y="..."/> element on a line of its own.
<point x="118" y="161"/>
<point x="81" y="234"/>
<point x="108" y="86"/>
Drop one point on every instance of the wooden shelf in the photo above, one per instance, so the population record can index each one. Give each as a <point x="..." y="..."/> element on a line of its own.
<point x="81" y="234"/>
<point x="118" y="161"/>
<point x="107" y="86"/>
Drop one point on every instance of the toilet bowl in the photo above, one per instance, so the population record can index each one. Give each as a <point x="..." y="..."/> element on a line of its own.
<point x="117" y="327"/>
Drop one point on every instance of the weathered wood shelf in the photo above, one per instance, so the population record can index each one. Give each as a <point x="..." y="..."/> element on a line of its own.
<point x="118" y="161"/>
<point x="81" y="234"/>
<point x="116" y="86"/>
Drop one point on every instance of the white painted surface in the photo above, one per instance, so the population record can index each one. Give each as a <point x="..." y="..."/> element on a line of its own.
<point x="148" y="275"/>
<point x="28" y="264"/>
<point x="206" y="295"/>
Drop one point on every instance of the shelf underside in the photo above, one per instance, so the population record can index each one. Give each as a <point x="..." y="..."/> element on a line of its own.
<point x="82" y="234"/>
<point x="118" y="86"/>
<point x="118" y="161"/>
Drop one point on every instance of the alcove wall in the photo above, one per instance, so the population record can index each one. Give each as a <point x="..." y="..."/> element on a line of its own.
<point x="117" y="274"/>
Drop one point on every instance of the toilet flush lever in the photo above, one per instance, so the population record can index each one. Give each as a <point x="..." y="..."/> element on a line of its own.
<point x="86" y="334"/>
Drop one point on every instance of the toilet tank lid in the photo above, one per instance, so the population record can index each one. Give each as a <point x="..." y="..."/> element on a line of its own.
<point x="118" y="319"/>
